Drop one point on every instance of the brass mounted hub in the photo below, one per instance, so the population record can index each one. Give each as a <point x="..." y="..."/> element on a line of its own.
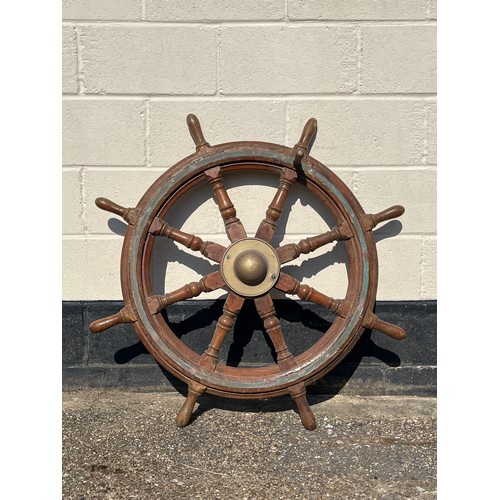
<point x="250" y="267"/>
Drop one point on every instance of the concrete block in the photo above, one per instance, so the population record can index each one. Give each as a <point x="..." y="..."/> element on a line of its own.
<point x="363" y="132"/>
<point x="414" y="189"/>
<point x="222" y="121"/>
<point x="103" y="132"/>
<point x="124" y="186"/>
<point x="72" y="222"/>
<point x="149" y="60"/>
<point x="69" y="61"/>
<point x="399" y="59"/>
<point x="326" y="10"/>
<point x="196" y="212"/>
<point x="399" y="268"/>
<point x="110" y="10"/>
<point x="432" y="13"/>
<point x="429" y="268"/>
<point x="214" y="10"/>
<point x="91" y="269"/>
<point x="431" y="114"/>
<point x="280" y="60"/>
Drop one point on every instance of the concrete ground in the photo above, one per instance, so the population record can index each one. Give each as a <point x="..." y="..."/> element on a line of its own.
<point x="125" y="445"/>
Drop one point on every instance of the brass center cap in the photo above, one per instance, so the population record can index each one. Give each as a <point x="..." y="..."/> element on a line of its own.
<point x="250" y="267"/>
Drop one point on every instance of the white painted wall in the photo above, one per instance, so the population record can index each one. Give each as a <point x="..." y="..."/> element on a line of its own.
<point x="256" y="70"/>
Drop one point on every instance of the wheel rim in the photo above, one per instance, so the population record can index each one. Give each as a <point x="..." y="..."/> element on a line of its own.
<point x="170" y="352"/>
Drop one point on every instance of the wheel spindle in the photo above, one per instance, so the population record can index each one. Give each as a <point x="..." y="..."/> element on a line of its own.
<point x="306" y="141"/>
<point x="129" y="215"/>
<point x="196" y="133"/>
<point x="373" y="321"/>
<point x="370" y="221"/>
<point x="231" y="309"/>
<point x="291" y="251"/>
<point x="195" y="390"/>
<point x="299" y="395"/>
<point x="125" y="315"/>
<point x="209" y="249"/>
<point x="268" y="226"/>
<point x="234" y="227"/>
<point x="290" y="285"/>
<point x="209" y="283"/>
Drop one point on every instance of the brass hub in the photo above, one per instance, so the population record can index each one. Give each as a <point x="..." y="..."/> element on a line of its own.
<point x="250" y="267"/>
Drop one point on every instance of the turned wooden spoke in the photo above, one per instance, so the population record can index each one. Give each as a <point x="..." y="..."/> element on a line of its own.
<point x="209" y="249"/>
<point x="291" y="251"/>
<point x="286" y="361"/>
<point x="234" y="227"/>
<point x="208" y="283"/>
<point x="265" y="308"/>
<point x="231" y="309"/>
<point x="268" y="225"/>
<point x="289" y="284"/>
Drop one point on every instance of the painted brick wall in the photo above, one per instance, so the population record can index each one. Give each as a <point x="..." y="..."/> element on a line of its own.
<point x="133" y="70"/>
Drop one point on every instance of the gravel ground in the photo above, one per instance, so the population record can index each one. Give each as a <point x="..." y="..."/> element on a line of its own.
<point x="125" y="445"/>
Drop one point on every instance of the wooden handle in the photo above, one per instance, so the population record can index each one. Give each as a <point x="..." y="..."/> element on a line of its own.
<point x="372" y="321"/>
<point x="111" y="206"/>
<point x="308" y="133"/>
<point x="124" y="315"/>
<point x="388" y="214"/>
<point x="195" y="130"/>
<point x="195" y="390"/>
<point x="129" y="215"/>
<point x="298" y="393"/>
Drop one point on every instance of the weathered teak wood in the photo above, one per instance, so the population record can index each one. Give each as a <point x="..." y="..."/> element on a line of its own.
<point x="288" y="284"/>
<point x="302" y="148"/>
<point x="213" y="281"/>
<point x="125" y="315"/>
<point x="196" y="132"/>
<point x="291" y="251"/>
<point x="265" y="309"/>
<point x="249" y="268"/>
<point x="195" y="390"/>
<point x="286" y="361"/>
<point x="209" y="249"/>
<point x="268" y="225"/>
<point x="370" y="221"/>
<point x="231" y="309"/>
<point x="234" y="227"/>
<point x="127" y="214"/>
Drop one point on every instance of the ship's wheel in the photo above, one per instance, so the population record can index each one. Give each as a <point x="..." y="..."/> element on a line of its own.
<point x="249" y="268"/>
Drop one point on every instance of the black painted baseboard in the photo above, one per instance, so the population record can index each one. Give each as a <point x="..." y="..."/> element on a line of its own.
<point x="378" y="365"/>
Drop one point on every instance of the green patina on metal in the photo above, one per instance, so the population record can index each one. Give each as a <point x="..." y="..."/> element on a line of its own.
<point x="135" y="258"/>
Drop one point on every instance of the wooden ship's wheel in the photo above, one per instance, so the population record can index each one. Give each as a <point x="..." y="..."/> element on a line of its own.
<point x="249" y="267"/>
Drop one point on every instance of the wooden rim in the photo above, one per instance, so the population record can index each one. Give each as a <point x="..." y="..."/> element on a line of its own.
<point x="245" y="382"/>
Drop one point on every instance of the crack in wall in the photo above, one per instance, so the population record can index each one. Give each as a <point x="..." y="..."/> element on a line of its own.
<point x="80" y="76"/>
<point x="425" y="153"/>
<point x="82" y="174"/>
<point x="218" y="42"/>
<point x="359" y="60"/>
<point x="147" y="141"/>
